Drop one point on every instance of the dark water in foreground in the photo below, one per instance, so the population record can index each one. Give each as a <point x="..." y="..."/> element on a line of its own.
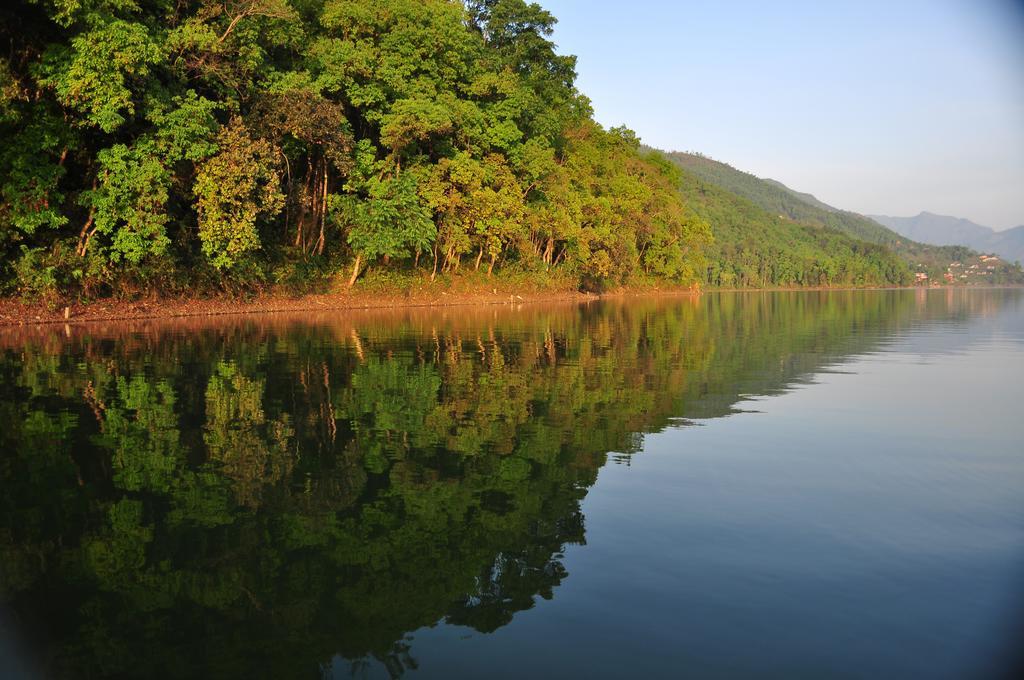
<point x="781" y="484"/>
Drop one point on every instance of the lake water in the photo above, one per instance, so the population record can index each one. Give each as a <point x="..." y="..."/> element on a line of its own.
<point x="811" y="484"/>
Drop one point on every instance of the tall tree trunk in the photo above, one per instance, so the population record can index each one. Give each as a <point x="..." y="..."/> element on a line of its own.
<point x="490" y="267"/>
<point x="479" y="257"/>
<point x="447" y="265"/>
<point x="300" y="223"/>
<point x="85" y="234"/>
<point x="307" y="246"/>
<point x="560" y="256"/>
<point x="355" y="270"/>
<point x="85" y="244"/>
<point x="323" y="213"/>
<point x="289" y="193"/>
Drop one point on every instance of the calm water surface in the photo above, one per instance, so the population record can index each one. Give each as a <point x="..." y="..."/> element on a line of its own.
<point x="777" y="484"/>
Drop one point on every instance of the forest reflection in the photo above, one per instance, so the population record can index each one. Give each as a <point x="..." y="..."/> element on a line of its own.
<point x="258" y="495"/>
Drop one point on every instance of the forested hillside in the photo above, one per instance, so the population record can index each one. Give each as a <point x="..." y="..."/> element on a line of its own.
<point x="756" y="248"/>
<point x="779" y="199"/>
<point x="787" y="204"/>
<point x="199" y="144"/>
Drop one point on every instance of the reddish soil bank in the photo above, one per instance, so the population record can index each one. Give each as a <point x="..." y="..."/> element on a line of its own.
<point x="14" y="312"/>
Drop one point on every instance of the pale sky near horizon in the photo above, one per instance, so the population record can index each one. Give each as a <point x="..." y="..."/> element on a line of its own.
<point x="879" y="107"/>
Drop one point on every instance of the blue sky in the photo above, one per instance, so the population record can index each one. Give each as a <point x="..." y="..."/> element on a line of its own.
<point x="879" y="107"/>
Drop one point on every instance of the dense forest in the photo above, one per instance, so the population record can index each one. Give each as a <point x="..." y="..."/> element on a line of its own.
<point x="778" y="199"/>
<point x="203" y="146"/>
<point x="253" y="497"/>
<point x="755" y="248"/>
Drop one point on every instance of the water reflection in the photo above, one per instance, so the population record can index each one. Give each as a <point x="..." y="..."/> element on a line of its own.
<point x="259" y="495"/>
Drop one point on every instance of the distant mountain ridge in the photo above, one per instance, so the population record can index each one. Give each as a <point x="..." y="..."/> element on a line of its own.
<point x="946" y="230"/>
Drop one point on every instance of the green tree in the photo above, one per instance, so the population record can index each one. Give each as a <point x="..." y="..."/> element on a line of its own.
<point x="391" y="221"/>
<point x="233" y="189"/>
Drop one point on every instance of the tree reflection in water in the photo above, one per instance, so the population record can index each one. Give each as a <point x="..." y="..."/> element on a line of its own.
<point x="261" y="495"/>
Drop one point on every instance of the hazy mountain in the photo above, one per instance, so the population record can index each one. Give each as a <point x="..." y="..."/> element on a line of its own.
<point x="945" y="230"/>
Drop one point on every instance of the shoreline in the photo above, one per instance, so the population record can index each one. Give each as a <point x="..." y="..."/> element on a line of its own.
<point x="15" y="312"/>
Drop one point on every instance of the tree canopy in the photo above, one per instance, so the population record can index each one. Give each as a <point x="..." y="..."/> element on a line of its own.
<point x="151" y="144"/>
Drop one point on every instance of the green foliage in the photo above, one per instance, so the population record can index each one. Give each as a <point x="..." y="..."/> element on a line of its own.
<point x="234" y="188"/>
<point x="249" y="132"/>
<point x="30" y="174"/>
<point x="778" y="199"/>
<point x="129" y="203"/>
<point x="185" y="129"/>
<point x="629" y="213"/>
<point x="390" y="221"/>
<point x="94" y="75"/>
<point x="224" y="144"/>
<point x="46" y="273"/>
<point x="754" y="248"/>
<point x="35" y="276"/>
